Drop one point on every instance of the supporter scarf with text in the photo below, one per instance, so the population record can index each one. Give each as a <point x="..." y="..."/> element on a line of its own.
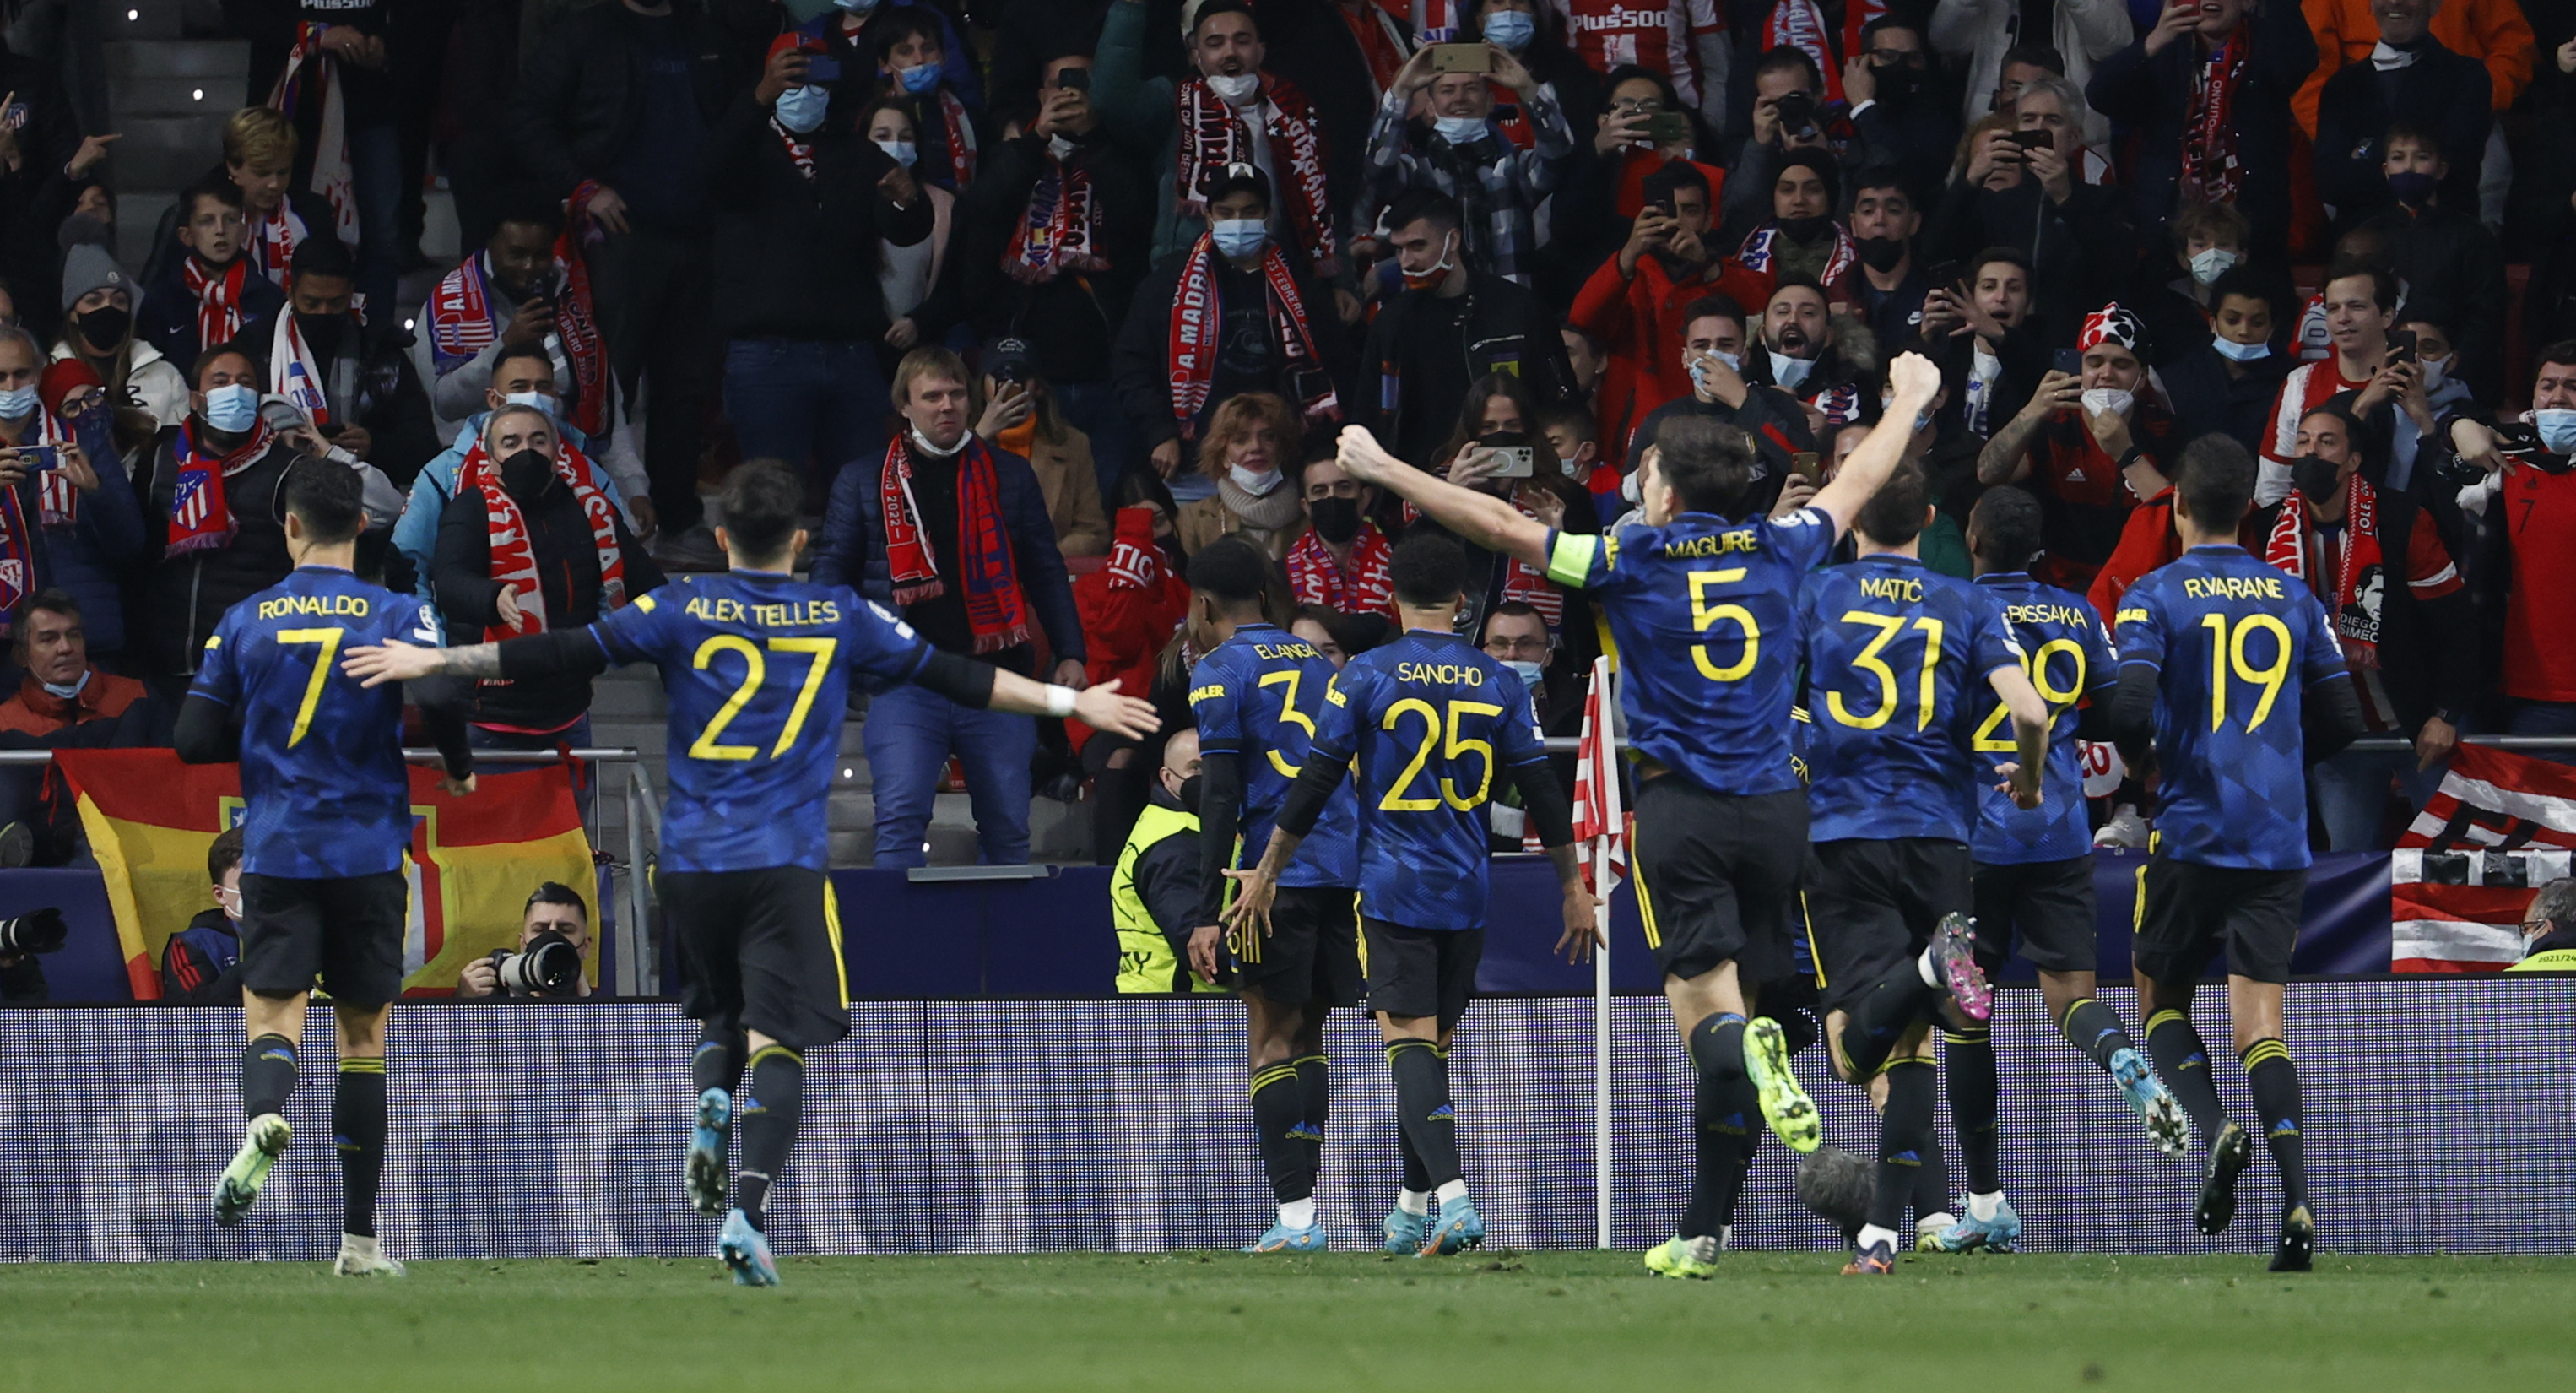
<point x="513" y="554"/>
<point x="1214" y="135"/>
<point x="996" y="611"/>
<point x="1197" y="325"/>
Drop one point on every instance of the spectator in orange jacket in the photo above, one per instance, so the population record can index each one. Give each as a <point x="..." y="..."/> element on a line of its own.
<point x="61" y="688"/>
<point x="2492" y="31"/>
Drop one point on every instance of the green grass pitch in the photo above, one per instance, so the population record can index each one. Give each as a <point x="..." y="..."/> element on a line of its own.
<point x="1207" y="1322"/>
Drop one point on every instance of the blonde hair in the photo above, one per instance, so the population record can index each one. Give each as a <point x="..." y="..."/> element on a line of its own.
<point x="260" y="136"/>
<point x="926" y="362"/>
<point x="1238" y="417"/>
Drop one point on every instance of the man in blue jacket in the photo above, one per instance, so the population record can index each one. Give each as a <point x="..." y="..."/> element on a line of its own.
<point x="952" y="534"/>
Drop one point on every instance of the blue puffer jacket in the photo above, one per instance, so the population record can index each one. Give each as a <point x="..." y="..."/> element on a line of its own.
<point x="852" y="550"/>
<point x="102" y="544"/>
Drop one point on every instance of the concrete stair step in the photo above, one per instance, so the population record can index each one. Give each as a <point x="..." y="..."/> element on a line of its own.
<point x="133" y="99"/>
<point x="161" y="59"/>
<point x="165" y="151"/>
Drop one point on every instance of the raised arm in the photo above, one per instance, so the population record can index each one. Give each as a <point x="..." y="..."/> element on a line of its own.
<point x="1916" y="383"/>
<point x="1481" y="518"/>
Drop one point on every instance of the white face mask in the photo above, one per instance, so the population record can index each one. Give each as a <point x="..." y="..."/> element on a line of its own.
<point x="1236" y="89"/>
<point x="2437" y="371"/>
<point x="2557" y="427"/>
<point x="65" y="691"/>
<point x="1460" y="130"/>
<point x="2109" y="399"/>
<point x="1628" y="490"/>
<point x="1529" y="673"/>
<point x="546" y="402"/>
<point x="899" y="151"/>
<point x="2241" y="352"/>
<point x="2213" y="263"/>
<point x="1789" y="372"/>
<point x="1921" y="418"/>
<point x="1060" y="148"/>
<point x="1258" y="485"/>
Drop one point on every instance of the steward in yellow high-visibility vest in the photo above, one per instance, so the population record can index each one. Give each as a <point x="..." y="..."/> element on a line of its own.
<point x="1154" y="889"/>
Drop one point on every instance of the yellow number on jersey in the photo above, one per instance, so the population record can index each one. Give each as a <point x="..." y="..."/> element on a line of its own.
<point x="1289" y="713"/>
<point x="755" y="672"/>
<point x="1704" y="614"/>
<point x="1889" y="626"/>
<point x="2227" y="650"/>
<point x="2035" y="664"/>
<point x="329" y="639"/>
<point x="1452" y="748"/>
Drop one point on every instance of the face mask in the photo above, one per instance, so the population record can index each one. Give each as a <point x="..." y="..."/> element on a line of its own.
<point x="800" y="109"/>
<point x="1426" y="280"/>
<point x="1921" y="418"/>
<point x="1789" y="372"/>
<point x="857" y="7"/>
<point x="1628" y="490"/>
<point x="1803" y="229"/>
<point x="2413" y="188"/>
<point x="1880" y="253"/>
<point x="1337" y="520"/>
<point x="919" y="78"/>
<point x="17" y="402"/>
<point x="1235" y="88"/>
<point x="2212" y="263"/>
<point x="899" y="151"/>
<point x="1732" y="360"/>
<point x="105" y="327"/>
<point x="1459" y="130"/>
<point x="2557" y="427"/>
<point x="1059" y="149"/>
<point x="546" y="402"/>
<point x="1189" y="794"/>
<point x="2109" y="399"/>
<point x="1511" y="28"/>
<point x="1527" y="672"/>
<point x="322" y="331"/>
<point x="526" y="473"/>
<point x="2436" y="372"/>
<point x="1258" y="485"/>
<point x="1240" y="236"/>
<point x="233" y="409"/>
<point x="65" y="691"/>
<point x="2241" y="352"/>
<point x="2315" y="479"/>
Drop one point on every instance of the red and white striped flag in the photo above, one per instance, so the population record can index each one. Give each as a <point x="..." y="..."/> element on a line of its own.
<point x="1600" y="827"/>
<point x="2502" y="826"/>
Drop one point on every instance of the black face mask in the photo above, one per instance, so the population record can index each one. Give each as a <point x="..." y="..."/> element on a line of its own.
<point x="1804" y="229"/>
<point x="105" y="328"/>
<point x="1897" y="82"/>
<point x="1881" y="253"/>
<point x="1189" y="794"/>
<point x="324" y="332"/>
<point x="527" y="474"/>
<point x="1337" y="520"/>
<point x="2315" y="479"/>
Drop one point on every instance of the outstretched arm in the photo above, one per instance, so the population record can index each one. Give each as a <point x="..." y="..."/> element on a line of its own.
<point x="1481" y="518"/>
<point x="1916" y="382"/>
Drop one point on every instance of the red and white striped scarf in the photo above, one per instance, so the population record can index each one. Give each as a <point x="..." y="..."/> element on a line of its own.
<point x="1761" y="249"/>
<point x="799" y="150"/>
<point x="513" y="553"/>
<point x="959" y="137"/>
<point x="997" y="612"/>
<point x="462" y="323"/>
<point x="1059" y="230"/>
<point x="2211" y="173"/>
<point x="200" y="518"/>
<point x="295" y="374"/>
<point x="1196" y="325"/>
<point x="334" y="177"/>
<point x="1800" y="24"/>
<point x="273" y="240"/>
<point x="1214" y="135"/>
<point x="1315" y="578"/>
<point x="57" y="501"/>
<point x="218" y="299"/>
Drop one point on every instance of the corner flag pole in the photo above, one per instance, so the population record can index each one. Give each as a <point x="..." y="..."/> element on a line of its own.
<point x="1597" y="793"/>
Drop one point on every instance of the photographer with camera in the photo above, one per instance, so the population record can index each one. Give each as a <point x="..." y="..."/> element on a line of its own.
<point x="23" y="939"/>
<point x="1790" y="112"/>
<point x="552" y="959"/>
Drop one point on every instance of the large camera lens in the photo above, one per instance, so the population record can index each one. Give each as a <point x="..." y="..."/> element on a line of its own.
<point x="548" y="966"/>
<point x="38" y="931"/>
<point x="1797" y="111"/>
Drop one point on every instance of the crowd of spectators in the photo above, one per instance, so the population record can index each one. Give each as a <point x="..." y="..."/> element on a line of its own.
<point x="1044" y="295"/>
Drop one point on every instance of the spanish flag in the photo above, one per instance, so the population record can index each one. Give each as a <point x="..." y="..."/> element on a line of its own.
<point x="471" y="864"/>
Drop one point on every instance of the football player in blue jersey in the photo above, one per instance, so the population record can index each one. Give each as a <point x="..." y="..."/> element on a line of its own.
<point x="2230" y="667"/>
<point x="1899" y="661"/>
<point x="758" y="665"/>
<point x="2034" y="868"/>
<point x="1702" y="601"/>
<point x="1257" y="697"/>
<point x="1432" y="724"/>
<point x="326" y="822"/>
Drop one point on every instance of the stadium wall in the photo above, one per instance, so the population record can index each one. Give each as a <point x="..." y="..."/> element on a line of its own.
<point x="2438" y="1121"/>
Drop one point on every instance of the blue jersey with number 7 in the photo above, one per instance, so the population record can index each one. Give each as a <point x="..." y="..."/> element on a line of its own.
<point x="1431" y="724"/>
<point x="758" y="670"/>
<point x="2235" y="644"/>
<point x="321" y="756"/>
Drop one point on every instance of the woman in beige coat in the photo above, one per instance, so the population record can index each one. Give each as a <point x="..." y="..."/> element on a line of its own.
<point x="1020" y="415"/>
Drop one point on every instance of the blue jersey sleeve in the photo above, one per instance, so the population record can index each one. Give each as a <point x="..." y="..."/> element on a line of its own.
<point x="635" y="633"/>
<point x="878" y="649"/>
<point x="2101" y="660"/>
<point x="411" y="621"/>
<point x="2320" y="652"/>
<point x="1520" y="738"/>
<point x="1216" y="699"/>
<point x="1992" y="643"/>
<point x="2142" y="629"/>
<point x="1804" y="540"/>
<point x="1346" y="699"/>
<point x="219" y="668"/>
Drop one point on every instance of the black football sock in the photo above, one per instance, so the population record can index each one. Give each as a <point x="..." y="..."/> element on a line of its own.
<point x="1891" y="1006"/>
<point x="1911" y="1093"/>
<point x="358" y="1134"/>
<point x="1423" y="1108"/>
<point x="1968" y="1057"/>
<point x="1932" y="1181"/>
<point x="2274" y="1082"/>
<point x="1417" y="1176"/>
<point x="718" y="1061"/>
<point x="1315" y="1097"/>
<point x="1278" y="1114"/>
<point x="2184" y="1062"/>
<point x="2095" y="1029"/>
<point x="268" y="1075"/>
<point x="768" y="1119"/>
<point x="1717" y="1046"/>
<point x="1726" y="1115"/>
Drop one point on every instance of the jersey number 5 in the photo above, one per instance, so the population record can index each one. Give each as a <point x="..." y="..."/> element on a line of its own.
<point x="1455" y="746"/>
<point x="2227" y="651"/>
<point x="1704" y="615"/>
<point x="754" y="672"/>
<point x="329" y="641"/>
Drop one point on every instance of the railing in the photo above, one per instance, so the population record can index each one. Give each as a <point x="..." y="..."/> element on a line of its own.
<point x="639" y="962"/>
<point x="2385" y="744"/>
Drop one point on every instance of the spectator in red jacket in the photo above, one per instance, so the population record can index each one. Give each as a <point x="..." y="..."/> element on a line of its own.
<point x="1634" y="304"/>
<point x="2528" y="499"/>
<point x="61" y="688"/>
<point x="1130" y="609"/>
